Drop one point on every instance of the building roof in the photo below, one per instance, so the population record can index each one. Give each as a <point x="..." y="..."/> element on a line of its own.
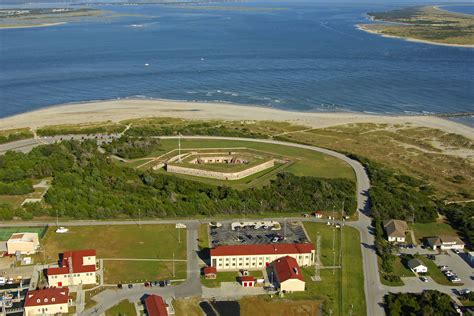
<point x="155" y="306"/>
<point x="444" y="239"/>
<point x="210" y="270"/>
<point x="77" y="260"/>
<point x="23" y="237"/>
<point x="49" y="296"/>
<point x="247" y="278"/>
<point x="395" y="228"/>
<point x="287" y="268"/>
<point x="242" y="250"/>
<point x="414" y="263"/>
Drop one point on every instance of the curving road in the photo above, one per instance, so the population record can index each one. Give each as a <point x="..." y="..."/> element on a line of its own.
<point x="374" y="291"/>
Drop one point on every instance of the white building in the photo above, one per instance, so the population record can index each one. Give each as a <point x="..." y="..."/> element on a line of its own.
<point x="254" y="257"/>
<point x="395" y="230"/>
<point x="76" y="267"/>
<point x="24" y="243"/>
<point x="417" y="266"/>
<point x="287" y="275"/>
<point x="50" y="301"/>
<point x="445" y="242"/>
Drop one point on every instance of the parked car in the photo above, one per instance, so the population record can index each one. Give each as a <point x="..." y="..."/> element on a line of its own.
<point x="120" y="286"/>
<point x="424" y="279"/>
<point x="455" y="280"/>
<point x="147" y="284"/>
<point x="130" y="286"/>
<point x="162" y="283"/>
<point x="167" y="282"/>
<point x="456" y="251"/>
<point x="443" y="268"/>
<point x="275" y="239"/>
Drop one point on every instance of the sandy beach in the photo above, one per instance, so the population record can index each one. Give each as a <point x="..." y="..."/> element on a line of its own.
<point x="365" y="29"/>
<point x="31" y="26"/>
<point x="118" y="110"/>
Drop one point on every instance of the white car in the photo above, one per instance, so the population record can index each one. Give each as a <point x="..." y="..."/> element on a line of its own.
<point x="2" y="281"/>
<point x="456" y="251"/>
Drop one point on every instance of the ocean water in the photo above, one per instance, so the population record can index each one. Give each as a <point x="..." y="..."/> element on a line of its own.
<point x="467" y="9"/>
<point x="302" y="56"/>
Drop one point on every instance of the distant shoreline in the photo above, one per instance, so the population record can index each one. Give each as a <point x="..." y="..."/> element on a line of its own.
<point x="363" y="27"/>
<point x="123" y="109"/>
<point x="31" y="26"/>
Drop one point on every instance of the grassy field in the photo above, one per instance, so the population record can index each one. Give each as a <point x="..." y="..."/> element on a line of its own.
<point x="425" y="153"/>
<point x="203" y="236"/>
<point x="6" y="232"/>
<point x="187" y="307"/>
<point x="432" y="229"/>
<point x="124" y="308"/>
<point x="251" y="306"/>
<point x="15" y="201"/>
<point x="341" y="290"/>
<point x="142" y="271"/>
<point x="121" y="241"/>
<point x="426" y="23"/>
<point x="86" y="128"/>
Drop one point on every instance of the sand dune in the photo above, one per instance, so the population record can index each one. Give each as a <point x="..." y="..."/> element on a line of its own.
<point x="117" y="110"/>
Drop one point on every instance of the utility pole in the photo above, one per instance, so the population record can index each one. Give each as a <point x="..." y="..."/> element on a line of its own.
<point x="57" y="219"/>
<point x="179" y="235"/>
<point x="139" y="219"/>
<point x="284" y="233"/>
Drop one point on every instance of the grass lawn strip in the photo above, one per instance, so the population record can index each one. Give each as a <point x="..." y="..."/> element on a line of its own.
<point x="124" y="308"/>
<point x="141" y="271"/>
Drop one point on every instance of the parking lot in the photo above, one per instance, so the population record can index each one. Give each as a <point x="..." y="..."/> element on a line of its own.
<point x="292" y="232"/>
<point x="458" y="266"/>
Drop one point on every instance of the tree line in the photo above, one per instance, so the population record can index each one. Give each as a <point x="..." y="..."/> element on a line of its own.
<point x="88" y="184"/>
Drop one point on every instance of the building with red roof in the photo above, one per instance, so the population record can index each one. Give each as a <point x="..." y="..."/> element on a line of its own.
<point x="50" y="301"/>
<point x="210" y="272"/>
<point x="156" y="306"/>
<point x="253" y="257"/>
<point x="75" y="268"/>
<point x="287" y="274"/>
<point x="247" y="281"/>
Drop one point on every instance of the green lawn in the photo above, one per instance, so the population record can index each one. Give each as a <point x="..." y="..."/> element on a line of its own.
<point x="124" y="308"/>
<point x="227" y="277"/>
<point x="142" y="271"/>
<point x="203" y="236"/>
<point x="6" y="232"/>
<point x="221" y="277"/>
<point x="423" y="230"/>
<point x="399" y="269"/>
<point x="339" y="289"/>
<point x="119" y="241"/>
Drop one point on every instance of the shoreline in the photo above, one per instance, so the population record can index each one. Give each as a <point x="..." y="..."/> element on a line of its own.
<point x="31" y="26"/>
<point x="122" y="109"/>
<point x="363" y="27"/>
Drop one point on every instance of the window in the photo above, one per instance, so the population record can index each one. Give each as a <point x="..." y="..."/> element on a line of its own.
<point x="53" y="300"/>
<point x="46" y="300"/>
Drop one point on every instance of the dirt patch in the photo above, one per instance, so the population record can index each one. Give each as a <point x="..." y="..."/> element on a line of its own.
<point x="261" y="306"/>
